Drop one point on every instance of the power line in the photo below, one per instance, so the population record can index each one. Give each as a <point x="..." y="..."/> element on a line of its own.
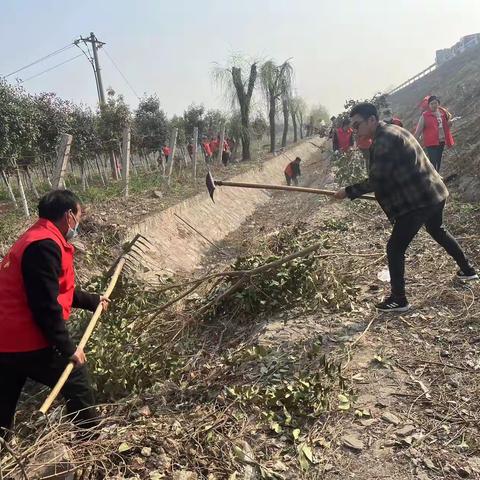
<point x="120" y="72"/>
<point x="89" y="57"/>
<point x="51" y="68"/>
<point x="56" y="52"/>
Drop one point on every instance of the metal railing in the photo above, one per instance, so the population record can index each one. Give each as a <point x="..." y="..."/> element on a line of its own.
<point x="413" y="79"/>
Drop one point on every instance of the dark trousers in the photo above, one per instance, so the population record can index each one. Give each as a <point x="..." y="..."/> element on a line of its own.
<point x="290" y="179"/>
<point x="225" y="158"/>
<point x="405" y="229"/>
<point x="435" y="155"/>
<point x="44" y="366"/>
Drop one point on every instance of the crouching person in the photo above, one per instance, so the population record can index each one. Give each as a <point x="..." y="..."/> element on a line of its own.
<point x="292" y="171"/>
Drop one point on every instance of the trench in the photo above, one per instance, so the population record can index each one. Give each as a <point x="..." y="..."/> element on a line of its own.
<point x="177" y="248"/>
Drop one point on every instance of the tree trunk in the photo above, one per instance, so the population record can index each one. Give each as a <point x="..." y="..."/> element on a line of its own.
<point x="84" y="176"/>
<point x="22" y="192"/>
<point x="100" y="171"/>
<point x="113" y="164"/>
<point x="244" y="99"/>
<point x="285" y="121"/>
<point x="294" y="123"/>
<point x="47" y="177"/>
<point x="271" y="119"/>
<point x="31" y="182"/>
<point x="301" y="125"/>
<point x="9" y="188"/>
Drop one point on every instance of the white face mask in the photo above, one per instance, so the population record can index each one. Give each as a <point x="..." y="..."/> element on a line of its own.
<point x="72" y="232"/>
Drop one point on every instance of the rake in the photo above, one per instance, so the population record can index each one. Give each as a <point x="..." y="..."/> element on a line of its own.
<point x="133" y="248"/>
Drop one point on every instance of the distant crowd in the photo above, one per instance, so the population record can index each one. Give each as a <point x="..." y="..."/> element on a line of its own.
<point x="433" y="127"/>
<point x="209" y="148"/>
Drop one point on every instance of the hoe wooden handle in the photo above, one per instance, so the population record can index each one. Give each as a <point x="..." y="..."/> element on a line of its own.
<point x="88" y="332"/>
<point x="318" y="191"/>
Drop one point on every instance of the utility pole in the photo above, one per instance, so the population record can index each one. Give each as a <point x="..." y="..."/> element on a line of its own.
<point x="96" y="44"/>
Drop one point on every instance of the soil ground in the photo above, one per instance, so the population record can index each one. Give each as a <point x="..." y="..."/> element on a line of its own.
<point x="414" y="406"/>
<point x="416" y="375"/>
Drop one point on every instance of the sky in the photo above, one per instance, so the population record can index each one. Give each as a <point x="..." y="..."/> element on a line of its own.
<point x="340" y="49"/>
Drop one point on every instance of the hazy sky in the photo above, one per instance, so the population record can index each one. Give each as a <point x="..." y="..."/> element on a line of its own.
<point x="340" y="49"/>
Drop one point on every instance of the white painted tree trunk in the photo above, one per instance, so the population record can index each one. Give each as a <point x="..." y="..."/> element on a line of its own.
<point x="9" y="189"/>
<point x="126" y="159"/>
<point x="32" y="183"/>
<point x="194" y="154"/>
<point x="22" y="192"/>
<point x="220" y="145"/>
<point x="62" y="161"/>
<point x="173" y="144"/>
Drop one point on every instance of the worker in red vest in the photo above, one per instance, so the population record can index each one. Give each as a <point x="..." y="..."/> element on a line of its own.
<point x="214" y="143"/>
<point x="434" y="126"/>
<point x="292" y="171"/>
<point x="207" y="151"/>
<point x="166" y="152"/>
<point x="37" y="293"/>
<point x="225" y="153"/>
<point x="363" y="144"/>
<point x="389" y="118"/>
<point x="343" y="136"/>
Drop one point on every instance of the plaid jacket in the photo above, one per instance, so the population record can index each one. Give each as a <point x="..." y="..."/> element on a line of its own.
<point x="400" y="175"/>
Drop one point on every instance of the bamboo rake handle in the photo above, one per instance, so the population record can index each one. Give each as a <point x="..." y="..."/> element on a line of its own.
<point x="319" y="191"/>
<point x="88" y="332"/>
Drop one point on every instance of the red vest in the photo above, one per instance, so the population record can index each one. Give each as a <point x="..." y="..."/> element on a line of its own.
<point x="18" y="330"/>
<point x="363" y="142"/>
<point x="344" y="139"/>
<point x="430" y="129"/>
<point x="214" y="145"/>
<point x="207" y="149"/>
<point x="289" y="170"/>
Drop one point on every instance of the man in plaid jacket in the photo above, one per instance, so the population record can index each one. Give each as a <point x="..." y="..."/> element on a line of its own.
<point x="410" y="192"/>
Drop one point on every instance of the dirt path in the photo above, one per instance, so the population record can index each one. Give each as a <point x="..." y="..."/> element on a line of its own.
<point x="416" y="377"/>
<point x="410" y="403"/>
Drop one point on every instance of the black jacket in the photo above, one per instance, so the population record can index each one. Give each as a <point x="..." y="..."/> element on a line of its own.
<point x="41" y="268"/>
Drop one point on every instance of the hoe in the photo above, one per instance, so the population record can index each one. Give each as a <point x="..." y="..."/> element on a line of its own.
<point x="211" y="184"/>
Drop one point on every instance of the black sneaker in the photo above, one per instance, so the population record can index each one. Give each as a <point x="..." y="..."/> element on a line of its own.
<point x="393" y="304"/>
<point x="468" y="275"/>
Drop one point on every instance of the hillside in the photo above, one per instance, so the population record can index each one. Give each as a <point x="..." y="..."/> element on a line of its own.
<point x="457" y="83"/>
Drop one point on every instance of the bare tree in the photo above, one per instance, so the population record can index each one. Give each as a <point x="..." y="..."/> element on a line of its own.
<point x="240" y="89"/>
<point x="286" y="113"/>
<point x="298" y="108"/>
<point x="276" y="84"/>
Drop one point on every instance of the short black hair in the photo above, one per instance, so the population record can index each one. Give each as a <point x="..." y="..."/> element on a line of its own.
<point x="53" y="205"/>
<point x="365" y="110"/>
<point x="345" y="121"/>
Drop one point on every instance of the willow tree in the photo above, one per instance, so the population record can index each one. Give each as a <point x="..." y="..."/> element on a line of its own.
<point x="276" y="84"/>
<point x="298" y="107"/>
<point x="240" y="87"/>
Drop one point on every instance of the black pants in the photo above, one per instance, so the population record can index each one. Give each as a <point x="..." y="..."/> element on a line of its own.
<point x="290" y="179"/>
<point x="44" y="366"/>
<point x="225" y="158"/>
<point x="435" y="155"/>
<point x="405" y="229"/>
